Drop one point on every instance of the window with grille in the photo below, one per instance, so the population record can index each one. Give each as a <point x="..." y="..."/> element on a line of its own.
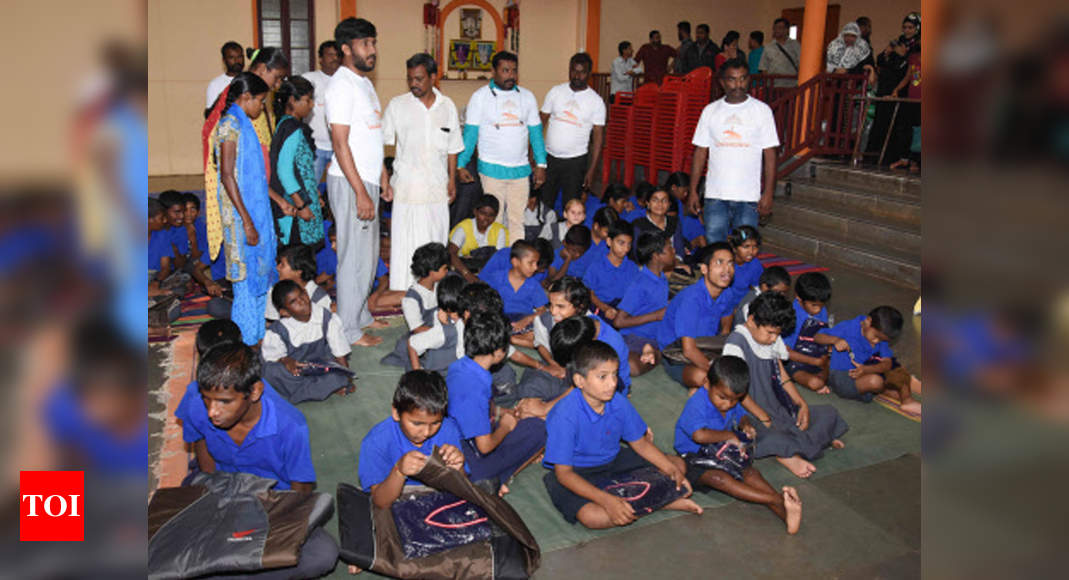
<point x="288" y="24"/>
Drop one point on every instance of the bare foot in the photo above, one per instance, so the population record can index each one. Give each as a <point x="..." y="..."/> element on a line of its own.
<point x="837" y="444"/>
<point x="912" y="406"/>
<point x="368" y="340"/>
<point x="691" y="391"/>
<point x="501" y="491"/>
<point x="354" y="570"/>
<point x="792" y="504"/>
<point x="345" y="391"/>
<point x="914" y="385"/>
<point x="378" y="323"/>
<point x="685" y="504"/>
<point x="649" y="355"/>
<point x="649" y="434"/>
<point x="825" y="390"/>
<point x="797" y="466"/>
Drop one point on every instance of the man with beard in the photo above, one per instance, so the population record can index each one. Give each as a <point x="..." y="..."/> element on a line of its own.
<point x="356" y="175"/>
<point x="737" y="135"/>
<point x="654" y="57"/>
<point x="500" y="120"/>
<point x="329" y="61"/>
<point x="234" y="63"/>
<point x="424" y="125"/>
<point x="575" y="115"/>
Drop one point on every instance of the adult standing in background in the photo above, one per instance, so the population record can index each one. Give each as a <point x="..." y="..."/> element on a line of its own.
<point x="329" y="61"/>
<point x="574" y="115"/>
<point x="702" y="52"/>
<point x="501" y="119"/>
<point x="234" y="62"/>
<point x="757" y="48"/>
<point x="424" y="125"/>
<point x="848" y="51"/>
<point x="654" y="57"/>
<point x="729" y="48"/>
<point x="737" y="135"/>
<point x="356" y="174"/>
<point x="624" y="71"/>
<point x="782" y="54"/>
<point x="683" y="34"/>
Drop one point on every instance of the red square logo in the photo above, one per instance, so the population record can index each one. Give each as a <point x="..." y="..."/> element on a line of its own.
<point x="51" y="506"/>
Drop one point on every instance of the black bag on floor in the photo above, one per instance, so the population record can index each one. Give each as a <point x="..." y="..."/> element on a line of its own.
<point x="645" y="488"/>
<point x="711" y="347"/>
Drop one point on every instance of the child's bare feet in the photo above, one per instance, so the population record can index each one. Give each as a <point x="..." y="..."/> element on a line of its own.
<point x="649" y="355"/>
<point x="914" y="385"/>
<point x="798" y="466"/>
<point x="649" y="434"/>
<point x="837" y="444"/>
<point x="792" y="504"/>
<point x="368" y="340"/>
<point x="825" y="390"/>
<point x="501" y="491"/>
<point x="685" y="504"/>
<point x="354" y="570"/>
<point x="912" y="406"/>
<point x="378" y="323"/>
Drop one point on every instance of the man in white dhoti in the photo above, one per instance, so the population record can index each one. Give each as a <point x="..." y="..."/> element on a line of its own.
<point x="424" y="126"/>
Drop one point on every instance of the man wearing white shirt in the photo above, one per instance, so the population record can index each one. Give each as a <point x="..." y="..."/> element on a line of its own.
<point x="737" y="134"/>
<point x="575" y="115"/>
<point x="424" y="125"/>
<point x="500" y="120"/>
<point x="624" y="71"/>
<point x="329" y="61"/>
<point x="356" y="174"/>
<point x="234" y="63"/>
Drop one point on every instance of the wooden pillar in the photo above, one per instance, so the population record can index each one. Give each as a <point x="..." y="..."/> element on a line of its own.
<point x="812" y="60"/>
<point x="593" y="30"/>
<point x="346" y="9"/>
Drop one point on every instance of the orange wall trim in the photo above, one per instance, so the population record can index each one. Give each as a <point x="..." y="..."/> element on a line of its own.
<point x="256" y="23"/>
<point x="593" y="30"/>
<point x="347" y="9"/>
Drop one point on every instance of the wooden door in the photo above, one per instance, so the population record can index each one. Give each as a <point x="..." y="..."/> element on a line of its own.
<point x="796" y="16"/>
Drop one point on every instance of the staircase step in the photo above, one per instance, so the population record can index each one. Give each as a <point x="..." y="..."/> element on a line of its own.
<point x="846" y="229"/>
<point x="891" y="209"/>
<point x="869" y="180"/>
<point x="884" y="264"/>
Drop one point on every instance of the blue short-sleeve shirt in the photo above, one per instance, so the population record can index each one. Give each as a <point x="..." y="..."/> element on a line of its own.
<point x="611" y="337"/>
<point x="327" y="261"/>
<point x="607" y="281"/>
<point x="747" y="276"/>
<point x="579" y="437"/>
<point x="694" y="313"/>
<point x="69" y="424"/>
<point x="692" y="227"/>
<point x="523" y="301"/>
<point x="502" y="260"/>
<point x="218" y="265"/>
<point x="579" y="266"/>
<point x="180" y="239"/>
<point x="850" y="331"/>
<point x="593" y="204"/>
<point x="385" y="444"/>
<point x="647" y="293"/>
<point x="159" y="247"/>
<point x="700" y="413"/>
<point x="277" y="447"/>
<point x="800" y="316"/>
<point x="469" y="397"/>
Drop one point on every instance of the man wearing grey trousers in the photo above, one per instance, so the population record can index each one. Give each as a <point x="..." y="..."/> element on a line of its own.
<point x="356" y="174"/>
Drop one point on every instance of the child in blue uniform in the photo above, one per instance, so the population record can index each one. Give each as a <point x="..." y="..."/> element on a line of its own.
<point x="327" y="258"/>
<point x="714" y="419"/>
<point x="522" y="295"/>
<point x="702" y="309"/>
<point x="396" y="449"/>
<point x="862" y="356"/>
<point x="538" y="389"/>
<point x="160" y="252"/>
<point x="775" y="279"/>
<point x="569" y="259"/>
<point x="808" y="364"/>
<point x="174" y="207"/>
<point x="502" y="260"/>
<point x="608" y="277"/>
<point x="492" y="451"/>
<point x="584" y="433"/>
<point x="745" y="245"/>
<point x="642" y="307"/>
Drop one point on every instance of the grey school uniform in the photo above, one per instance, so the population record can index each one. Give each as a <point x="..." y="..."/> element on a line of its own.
<point x="743" y="308"/>
<point x="297" y="389"/>
<point x="783" y="439"/>
<point x="445" y="339"/>
<point x="540" y="384"/>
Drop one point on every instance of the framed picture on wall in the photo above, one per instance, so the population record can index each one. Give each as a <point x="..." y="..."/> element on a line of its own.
<point x="471" y="23"/>
<point x="460" y="54"/>
<point x="482" y="53"/>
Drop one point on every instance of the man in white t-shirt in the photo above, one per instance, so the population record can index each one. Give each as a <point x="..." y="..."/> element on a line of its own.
<point x="500" y="119"/>
<point x="234" y="63"/>
<point x="356" y="174"/>
<point x="574" y="115"/>
<point x="329" y="61"/>
<point x="426" y="129"/>
<point x="737" y="135"/>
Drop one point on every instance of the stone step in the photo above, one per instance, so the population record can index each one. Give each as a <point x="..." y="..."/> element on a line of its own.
<point x="895" y="267"/>
<point x="844" y="229"/>
<point x="891" y="209"/>
<point x="868" y="180"/>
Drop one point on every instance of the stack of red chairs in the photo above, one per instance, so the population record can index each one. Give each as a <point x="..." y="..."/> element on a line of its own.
<point x="698" y="86"/>
<point x="616" y="139"/>
<point x="639" y="138"/>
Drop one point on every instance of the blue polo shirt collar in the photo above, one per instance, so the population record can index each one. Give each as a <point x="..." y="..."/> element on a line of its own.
<point x="590" y="412"/>
<point x="646" y="271"/>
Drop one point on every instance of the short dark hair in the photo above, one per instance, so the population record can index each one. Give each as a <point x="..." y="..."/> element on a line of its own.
<point x="171" y="198"/>
<point x="155" y="208"/>
<point x="353" y="28"/>
<point x="863" y="21"/>
<point x="649" y="244"/>
<point x="621" y="227"/>
<point x="624" y="45"/>
<point x="323" y="46"/>
<point x="771" y="309"/>
<point x="813" y="287"/>
<point x="705" y="255"/>
<point x="215" y="332"/>
<point x="449" y="292"/>
<point x="758" y="36"/>
<point x="578" y="235"/>
<point x="888" y="320"/>
<point x="732" y="64"/>
<point x="481" y="297"/>
<point x="421" y="389"/>
<point x="424" y="60"/>
<point x="281" y="290"/>
<point x="485" y="333"/>
<point x="643" y="190"/>
<point x="271" y="57"/>
<point x="575" y="292"/>
<point x="785" y="22"/>
<point x="568" y="335"/>
<point x="605" y="216"/>
<point x="192" y="198"/>
<point x="487" y="200"/>
<point x="520" y="249"/>
<point x="677" y="179"/>
<point x="590" y="355"/>
<point x="652" y="32"/>
<point x="617" y="191"/>
<point x="231" y="365"/>
<point x="230" y="45"/>
<point x="504" y="56"/>
<point x="774" y="276"/>
<point x="743" y="233"/>
<point x="684" y="26"/>
<point x="583" y="59"/>
<point x="301" y="258"/>
<point x="733" y="372"/>
<point x="704" y="27"/>
<point x="545" y="252"/>
<point x="429" y="258"/>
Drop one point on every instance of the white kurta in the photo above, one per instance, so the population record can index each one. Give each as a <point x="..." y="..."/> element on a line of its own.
<point x="425" y="137"/>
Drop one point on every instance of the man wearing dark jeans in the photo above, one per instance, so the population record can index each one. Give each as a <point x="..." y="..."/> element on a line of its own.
<point x="574" y="115"/>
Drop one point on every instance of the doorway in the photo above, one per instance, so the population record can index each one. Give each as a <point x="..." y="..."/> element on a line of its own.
<point x="796" y="16"/>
